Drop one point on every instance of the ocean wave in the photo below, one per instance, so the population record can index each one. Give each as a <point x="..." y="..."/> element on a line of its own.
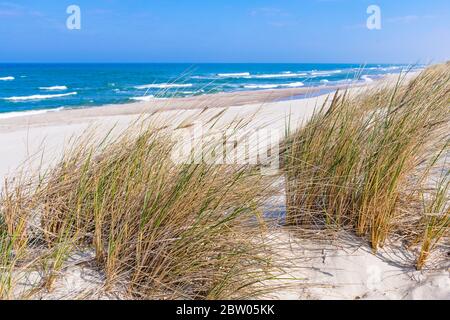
<point x="163" y="86"/>
<point x="54" y="88"/>
<point x="325" y="73"/>
<point x="392" y="68"/>
<point x="248" y="75"/>
<point x="203" y="77"/>
<point x="367" y="78"/>
<point x="280" y="75"/>
<point x="15" y="114"/>
<point x="7" y="78"/>
<point x="261" y="86"/>
<point x="143" y="98"/>
<point x="293" y="84"/>
<point x="40" y="97"/>
<point x="273" y="86"/>
<point x="234" y="75"/>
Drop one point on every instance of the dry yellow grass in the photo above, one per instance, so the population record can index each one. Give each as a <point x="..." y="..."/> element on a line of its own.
<point x="363" y="161"/>
<point x="159" y="230"/>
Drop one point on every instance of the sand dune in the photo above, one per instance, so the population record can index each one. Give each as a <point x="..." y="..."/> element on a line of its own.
<point x="339" y="269"/>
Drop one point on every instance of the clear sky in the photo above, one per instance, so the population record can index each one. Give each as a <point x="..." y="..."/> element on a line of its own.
<point x="225" y="31"/>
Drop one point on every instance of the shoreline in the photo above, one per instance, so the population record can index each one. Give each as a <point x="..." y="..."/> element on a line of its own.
<point x="215" y="100"/>
<point x="227" y="98"/>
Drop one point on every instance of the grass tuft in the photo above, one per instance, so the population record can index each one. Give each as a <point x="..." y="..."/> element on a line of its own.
<point x="159" y="230"/>
<point x="364" y="160"/>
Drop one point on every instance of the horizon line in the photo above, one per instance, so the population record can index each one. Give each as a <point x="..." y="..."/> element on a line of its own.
<point x="215" y="62"/>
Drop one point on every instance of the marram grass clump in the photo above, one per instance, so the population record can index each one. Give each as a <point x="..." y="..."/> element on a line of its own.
<point x="159" y="230"/>
<point x="364" y="162"/>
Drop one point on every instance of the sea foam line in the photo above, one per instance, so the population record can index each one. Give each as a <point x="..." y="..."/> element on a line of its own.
<point x="163" y="86"/>
<point x="7" y="78"/>
<point x="247" y="75"/>
<point x="367" y="78"/>
<point x="280" y="75"/>
<point x="261" y="86"/>
<point x="234" y="74"/>
<point x="53" y="88"/>
<point x="40" y="97"/>
<point x="273" y="86"/>
<point x="15" y="114"/>
<point x="325" y="73"/>
<point x="143" y="98"/>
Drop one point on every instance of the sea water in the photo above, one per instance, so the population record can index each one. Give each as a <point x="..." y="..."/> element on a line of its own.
<point x="39" y="88"/>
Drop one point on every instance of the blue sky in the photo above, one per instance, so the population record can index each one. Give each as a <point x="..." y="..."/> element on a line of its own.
<point x="225" y="31"/>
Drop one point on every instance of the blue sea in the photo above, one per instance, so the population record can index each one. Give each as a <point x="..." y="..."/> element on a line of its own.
<point x="41" y="87"/>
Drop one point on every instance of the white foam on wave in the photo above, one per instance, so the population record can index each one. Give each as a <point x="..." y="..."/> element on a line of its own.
<point x="143" y="98"/>
<point x="325" y="73"/>
<point x="293" y="84"/>
<point x="15" y="114"/>
<point x="234" y="74"/>
<point x="280" y="75"/>
<point x="346" y="81"/>
<point x="39" y="97"/>
<point x="163" y="86"/>
<point x="6" y="78"/>
<point x="273" y="86"/>
<point x="54" y="88"/>
<point x="261" y="86"/>
<point x="367" y="78"/>
<point x="247" y="75"/>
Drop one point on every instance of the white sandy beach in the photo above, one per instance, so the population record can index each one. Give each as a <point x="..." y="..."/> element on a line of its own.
<point x="328" y="269"/>
<point x="32" y="136"/>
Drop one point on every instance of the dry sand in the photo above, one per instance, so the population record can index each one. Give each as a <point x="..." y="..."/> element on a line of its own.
<point x="31" y="137"/>
<point x="340" y="269"/>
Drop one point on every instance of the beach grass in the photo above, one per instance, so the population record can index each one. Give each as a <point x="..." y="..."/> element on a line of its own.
<point x="364" y="161"/>
<point x="158" y="230"/>
<point x="375" y="163"/>
<point x="437" y="218"/>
